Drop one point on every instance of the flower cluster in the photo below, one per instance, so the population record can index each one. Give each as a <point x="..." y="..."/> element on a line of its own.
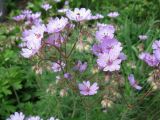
<point x="152" y="60"/>
<point x="30" y="17"/>
<point x="108" y="50"/>
<point x="21" y="116"/>
<point x="40" y="38"/>
<point x="31" y="40"/>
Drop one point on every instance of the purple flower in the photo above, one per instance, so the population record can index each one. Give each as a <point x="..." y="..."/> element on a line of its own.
<point x="133" y="83"/>
<point x="105" y="32"/>
<point x="16" y="116"/>
<point x="34" y="118"/>
<point x="31" y="18"/>
<point x="19" y="17"/>
<point x="27" y="53"/>
<point x="122" y="56"/>
<point x="46" y="6"/>
<point x="63" y="10"/>
<point x="107" y="26"/>
<point x="58" y="66"/>
<point x="97" y="16"/>
<point x="79" y="14"/>
<point x="156" y="45"/>
<point x="111" y="46"/>
<point x="26" y="12"/>
<point x="142" y="37"/>
<point x="108" y="62"/>
<point x="56" y="25"/>
<point x="32" y="40"/>
<point x="68" y="76"/>
<point x="113" y="14"/>
<point x="97" y="49"/>
<point x="55" y="39"/>
<point x="151" y="60"/>
<point x="81" y="67"/>
<point x="156" y="53"/>
<point x="87" y="89"/>
<point x="52" y="118"/>
<point x="108" y="46"/>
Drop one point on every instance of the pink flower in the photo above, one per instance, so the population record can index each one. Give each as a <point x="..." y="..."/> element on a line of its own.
<point x="109" y="62"/>
<point x="58" y="66"/>
<point x="46" y="6"/>
<point x="87" y="89"/>
<point x="143" y="37"/>
<point x="97" y="16"/>
<point x="113" y="14"/>
<point x="19" y="17"/>
<point x="32" y="40"/>
<point x="33" y="16"/>
<point x="150" y="59"/>
<point x="156" y="45"/>
<point x="26" y="12"/>
<point x="133" y="83"/>
<point x="81" y="67"/>
<point x="111" y="46"/>
<point x="55" y="40"/>
<point x="16" y="116"/>
<point x="107" y="26"/>
<point x="27" y="53"/>
<point x="56" y="25"/>
<point x="34" y="118"/>
<point x="105" y="32"/>
<point x="79" y="14"/>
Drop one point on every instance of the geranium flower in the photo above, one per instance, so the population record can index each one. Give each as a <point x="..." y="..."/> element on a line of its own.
<point x="58" y="66"/>
<point x="113" y="14"/>
<point x="81" y="67"/>
<point x="87" y="89"/>
<point x="46" y="6"/>
<point x="105" y="32"/>
<point x="16" y="116"/>
<point x="56" y="25"/>
<point x="142" y="37"/>
<point x="79" y="14"/>
<point x="19" y="18"/>
<point x="150" y="59"/>
<point x="108" y="62"/>
<point x="133" y="83"/>
<point x="34" y="118"/>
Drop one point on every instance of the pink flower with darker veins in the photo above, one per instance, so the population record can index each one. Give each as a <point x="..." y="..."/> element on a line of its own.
<point x="87" y="89"/>
<point x="105" y="32"/>
<point x="79" y="15"/>
<point x="57" y="24"/>
<point x="109" y="62"/>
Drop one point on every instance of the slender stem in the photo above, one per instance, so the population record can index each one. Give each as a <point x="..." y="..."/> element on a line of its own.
<point x="72" y="48"/>
<point x="75" y="43"/>
<point x="17" y="98"/>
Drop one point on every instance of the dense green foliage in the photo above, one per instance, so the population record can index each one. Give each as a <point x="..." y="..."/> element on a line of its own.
<point x="23" y="90"/>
